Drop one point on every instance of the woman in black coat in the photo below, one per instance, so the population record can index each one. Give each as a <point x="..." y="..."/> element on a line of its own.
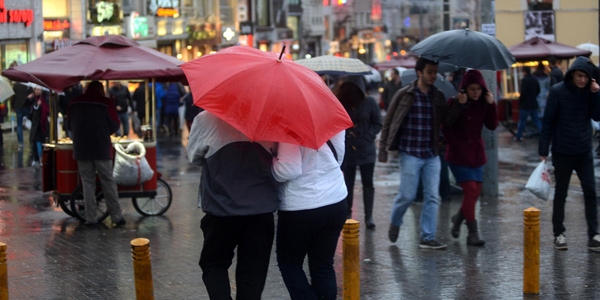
<point x="360" y="142"/>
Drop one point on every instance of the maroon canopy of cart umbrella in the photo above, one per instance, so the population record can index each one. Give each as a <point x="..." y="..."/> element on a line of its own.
<point x="108" y="57"/>
<point x="537" y="48"/>
<point x="405" y="61"/>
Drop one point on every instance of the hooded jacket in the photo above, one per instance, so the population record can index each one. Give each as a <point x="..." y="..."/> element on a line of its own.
<point x="464" y="145"/>
<point x="566" y="123"/>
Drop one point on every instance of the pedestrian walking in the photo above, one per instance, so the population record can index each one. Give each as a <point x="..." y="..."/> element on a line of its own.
<point x="21" y="105"/>
<point x="465" y="152"/>
<point x="238" y="196"/>
<point x="360" y="151"/>
<point x="40" y="127"/>
<point x="64" y="99"/>
<point x="391" y="87"/>
<point x="191" y="110"/>
<point x="123" y="105"/>
<point x="92" y="118"/>
<point x="556" y="74"/>
<point x="311" y="216"/>
<point x="567" y="128"/>
<point x="412" y="126"/>
<point x="544" y="80"/>
<point x="528" y="105"/>
<point x="172" y="100"/>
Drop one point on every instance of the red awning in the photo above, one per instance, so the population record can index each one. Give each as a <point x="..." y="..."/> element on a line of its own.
<point x="538" y="48"/>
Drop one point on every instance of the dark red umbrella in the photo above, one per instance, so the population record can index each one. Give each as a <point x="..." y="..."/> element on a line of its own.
<point x="405" y="61"/>
<point x="108" y="57"/>
<point x="537" y="48"/>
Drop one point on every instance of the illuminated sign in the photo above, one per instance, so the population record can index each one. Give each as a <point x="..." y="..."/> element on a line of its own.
<point x="167" y="12"/>
<point x="24" y="16"/>
<point x="228" y="34"/>
<point x="104" y="10"/>
<point x="56" y="24"/>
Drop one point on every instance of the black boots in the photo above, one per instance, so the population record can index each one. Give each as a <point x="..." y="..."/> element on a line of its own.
<point x="457" y="220"/>
<point x="473" y="238"/>
<point x="368" y="198"/>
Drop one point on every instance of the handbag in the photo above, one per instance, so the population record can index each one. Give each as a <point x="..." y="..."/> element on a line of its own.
<point x="539" y="182"/>
<point x="131" y="166"/>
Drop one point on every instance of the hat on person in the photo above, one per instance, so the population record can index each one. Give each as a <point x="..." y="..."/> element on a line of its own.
<point x="473" y="76"/>
<point x="359" y="81"/>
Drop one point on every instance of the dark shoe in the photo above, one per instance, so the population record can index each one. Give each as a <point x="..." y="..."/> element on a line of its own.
<point x="393" y="233"/>
<point x="560" y="243"/>
<point x="369" y="222"/>
<point x="433" y="244"/>
<point x="594" y="243"/>
<point x="457" y="220"/>
<point x="122" y="222"/>
<point x="516" y="139"/>
<point x="473" y="238"/>
<point x="92" y="224"/>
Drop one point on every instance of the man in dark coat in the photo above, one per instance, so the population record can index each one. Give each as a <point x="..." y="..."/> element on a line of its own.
<point x="528" y="105"/>
<point x="556" y="74"/>
<point x="92" y="118"/>
<point x="21" y="104"/>
<point x="122" y="103"/>
<point x="566" y="125"/>
<point x="390" y="88"/>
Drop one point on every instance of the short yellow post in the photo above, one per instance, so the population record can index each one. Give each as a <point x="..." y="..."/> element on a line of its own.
<point x="350" y="253"/>
<point x="3" y="273"/>
<point x="531" y="251"/>
<point x="142" y="269"/>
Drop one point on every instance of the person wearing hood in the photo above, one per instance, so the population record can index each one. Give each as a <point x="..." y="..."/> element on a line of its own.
<point x="465" y="152"/>
<point x="566" y="126"/>
<point x="360" y="142"/>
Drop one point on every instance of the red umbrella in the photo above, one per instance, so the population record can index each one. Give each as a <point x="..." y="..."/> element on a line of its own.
<point x="266" y="97"/>
<point x="108" y="57"/>
<point x="537" y="48"/>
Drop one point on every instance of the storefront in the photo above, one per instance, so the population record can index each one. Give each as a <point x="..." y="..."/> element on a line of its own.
<point x="20" y="31"/>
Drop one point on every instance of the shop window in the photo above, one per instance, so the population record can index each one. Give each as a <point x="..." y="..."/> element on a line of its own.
<point x="539" y="4"/>
<point x="13" y="53"/>
<point x="262" y="13"/>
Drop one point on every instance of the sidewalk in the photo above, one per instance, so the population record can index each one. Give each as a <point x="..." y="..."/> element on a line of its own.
<point x="52" y="256"/>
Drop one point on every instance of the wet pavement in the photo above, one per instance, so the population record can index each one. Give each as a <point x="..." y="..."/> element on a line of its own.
<point x="53" y="256"/>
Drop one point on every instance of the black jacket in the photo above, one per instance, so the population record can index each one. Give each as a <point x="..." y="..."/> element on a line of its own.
<point x="566" y="123"/>
<point x="360" y="139"/>
<point x="530" y="88"/>
<point x="556" y="75"/>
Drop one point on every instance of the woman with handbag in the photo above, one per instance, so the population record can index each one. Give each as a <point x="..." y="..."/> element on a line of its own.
<point x="465" y="152"/>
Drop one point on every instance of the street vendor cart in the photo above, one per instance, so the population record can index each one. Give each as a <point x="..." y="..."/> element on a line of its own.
<point x="110" y="57"/>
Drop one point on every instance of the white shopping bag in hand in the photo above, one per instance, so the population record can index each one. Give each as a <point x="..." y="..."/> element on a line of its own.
<point x="539" y="181"/>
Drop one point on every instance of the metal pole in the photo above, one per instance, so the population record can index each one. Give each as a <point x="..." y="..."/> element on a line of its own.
<point x="142" y="268"/>
<point x="351" y="257"/>
<point x="3" y="273"/>
<point x="531" y="251"/>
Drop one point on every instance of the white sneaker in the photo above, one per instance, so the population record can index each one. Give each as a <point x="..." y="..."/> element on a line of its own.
<point x="560" y="242"/>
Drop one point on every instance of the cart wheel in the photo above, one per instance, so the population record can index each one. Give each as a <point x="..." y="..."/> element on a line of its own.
<point x="157" y="205"/>
<point x="66" y="206"/>
<point x="78" y="204"/>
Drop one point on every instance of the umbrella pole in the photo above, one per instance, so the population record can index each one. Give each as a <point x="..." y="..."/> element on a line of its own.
<point x="52" y="103"/>
<point x="154" y="110"/>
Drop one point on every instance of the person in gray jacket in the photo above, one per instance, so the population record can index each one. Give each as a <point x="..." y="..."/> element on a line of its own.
<point x="566" y="126"/>
<point x="238" y="196"/>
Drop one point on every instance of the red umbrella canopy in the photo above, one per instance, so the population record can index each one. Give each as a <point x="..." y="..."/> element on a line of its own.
<point x="537" y="48"/>
<point x="266" y="97"/>
<point x="108" y="57"/>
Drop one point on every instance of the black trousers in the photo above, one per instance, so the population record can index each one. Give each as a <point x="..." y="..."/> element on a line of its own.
<point x="583" y="165"/>
<point x="253" y="237"/>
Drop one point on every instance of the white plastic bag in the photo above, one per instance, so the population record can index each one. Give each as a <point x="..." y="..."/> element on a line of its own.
<point x="539" y="182"/>
<point x="131" y="169"/>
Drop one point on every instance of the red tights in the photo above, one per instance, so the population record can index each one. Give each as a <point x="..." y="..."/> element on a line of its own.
<point x="471" y="191"/>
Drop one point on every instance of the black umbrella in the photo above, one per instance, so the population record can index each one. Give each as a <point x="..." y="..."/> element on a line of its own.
<point x="445" y="86"/>
<point x="465" y="48"/>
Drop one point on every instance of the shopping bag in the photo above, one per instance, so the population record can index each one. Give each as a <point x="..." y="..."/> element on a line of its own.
<point x="131" y="166"/>
<point x="539" y="182"/>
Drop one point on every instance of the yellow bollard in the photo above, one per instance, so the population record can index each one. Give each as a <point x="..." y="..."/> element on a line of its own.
<point x="531" y="251"/>
<point x="3" y="273"/>
<point x="351" y="257"/>
<point x="142" y="269"/>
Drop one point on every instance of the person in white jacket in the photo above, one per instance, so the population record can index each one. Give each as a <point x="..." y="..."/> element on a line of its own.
<point x="311" y="215"/>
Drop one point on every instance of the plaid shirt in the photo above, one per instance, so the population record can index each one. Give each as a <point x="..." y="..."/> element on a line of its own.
<point x="416" y="132"/>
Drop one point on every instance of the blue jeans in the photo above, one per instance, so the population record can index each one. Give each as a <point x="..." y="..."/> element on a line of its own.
<point x="523" y="115"/>
<point x="21" y="112"/>
<point x="124" y="118"/>
<point x="313" y="233"/>
<point x="428" y="170"/>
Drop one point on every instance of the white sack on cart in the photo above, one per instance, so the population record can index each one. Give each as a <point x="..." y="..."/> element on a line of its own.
<point x="131" y="166"/>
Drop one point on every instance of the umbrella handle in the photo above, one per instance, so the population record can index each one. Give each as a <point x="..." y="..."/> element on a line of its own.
<point x="281" y="54"/>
